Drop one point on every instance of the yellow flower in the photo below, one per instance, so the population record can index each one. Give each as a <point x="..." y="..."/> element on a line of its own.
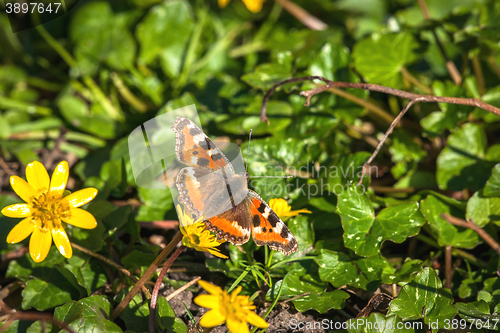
<point x="283" y="209"/>
<point x="196" y="235"/>
<point x="45" y="210"/>
<point x="254" y="6"/>
<point x="236" y="310"/>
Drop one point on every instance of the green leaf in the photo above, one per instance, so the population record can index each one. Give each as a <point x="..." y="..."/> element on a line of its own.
<point x="450" y="115"/>
<point x="405" y="272"/>
<point x="93" y="121"/>
<point x="4" y="128"/>
<point x="156" y="204"/>
<point x="88" y="272"/>
<point x="296" y="285"/>
<point x="16" y="327"/>
<point x="328" y="60"/>
<point x="266" y="75"/>
<point x="377" y="322"/>
<point x="138" y="260"/>
<point x="492" y="187"/>
<point x="116" y="219"/>
<point x="40" y="327"/>
<point x="483" y="210"/>
<point x="89" y="314"/>
<point x="41" y="295"/>
<point x="462" y="163"/>
<point x="405" y="152"/>
<point x="302" y="228"/>
<point x="364" y="232"/>
<point x="446" y="233"/>
<point x="166" y="319"/>
<point x="113" y="173"/>
<point x="478" y="313"/>
<point x="165" y="32"/>
<point x="321" y="302"/>
<point x="390" y="53"/>
<point x="271" y="157"/>
<point x="424" y="298"/>
<point x="136" y="314"/>
<point x="101" y="36"/>
<point x="344" y="170"/>
<point x="340" y="269"/>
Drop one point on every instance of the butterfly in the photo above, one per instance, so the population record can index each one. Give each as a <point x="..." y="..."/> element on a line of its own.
<point x="209" y="185"/>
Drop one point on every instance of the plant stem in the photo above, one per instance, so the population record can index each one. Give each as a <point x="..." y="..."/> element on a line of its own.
<point x="154" y="296"/>
<point x="413" y="98"/>
<point x="447" y="262"/>
<point x="375" y="109"/>
<point x="184" y="287"/>
<point x="450" y="66"/>
<point x="472" y="225"/>
<point x="456" y="252"/>
<point x="166" y="251"/>
<point x="111" y="263"/>
<point x="303" y="16"/>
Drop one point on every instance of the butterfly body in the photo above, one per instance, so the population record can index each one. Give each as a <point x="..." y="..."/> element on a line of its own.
<point x="212" y="190"/>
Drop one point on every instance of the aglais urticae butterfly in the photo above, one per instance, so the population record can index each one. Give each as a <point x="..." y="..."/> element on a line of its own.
<point x="203" y="182"/>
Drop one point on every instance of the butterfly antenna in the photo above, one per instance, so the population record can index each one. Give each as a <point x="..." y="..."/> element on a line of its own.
<point x="248" y="152"/>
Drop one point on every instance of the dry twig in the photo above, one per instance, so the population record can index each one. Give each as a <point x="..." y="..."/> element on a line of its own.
<point x="303" y="16"/>
<point x="147" y="274"/>
<point x="30" y="316"/>
<point x="413" y="98"/>
<point x="111" y="263"/>
<point x="156" y="290"/>
<point x="450" y="66"/>
<point x="184" y="287"/>
<point x="472" y="225"/>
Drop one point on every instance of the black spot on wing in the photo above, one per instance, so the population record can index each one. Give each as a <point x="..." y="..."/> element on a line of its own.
<point x="195" y="153"/>
<point x="217" y="156"/>
<point x="284" y="232"/>
<point x="194" y="131"/>
<point x="262" y="208"/>
<point x="203" y="162"/>
<point x="273" y="219"/>
<point x="264" y="229"/>
<point x="256" y="221"/>
<point x="209" y="143"/>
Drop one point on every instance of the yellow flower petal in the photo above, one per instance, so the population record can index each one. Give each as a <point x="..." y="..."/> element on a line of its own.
<point x="22" y="188"/>
<point x="223" y="3"/>
<point x="254" y="6"/>
<point x="212" y="318"/>
<point x="17" y="210"/>
<point x="40" y="242"/>
<point x="37" y="176"/>
<point x="22" y="230"/>
<point x="207" y="301"/>
<point x="81" y="197"/>
<point x="80" y="218"/>
<point x="237" y="326"/>
<point x="296" y="212"/>
<point x="59" y="179"/>
<point x="210" y="288"/>
<point x="255" y="320"/>
<point x="216" y="253"/>
<point x="62" y="241"/>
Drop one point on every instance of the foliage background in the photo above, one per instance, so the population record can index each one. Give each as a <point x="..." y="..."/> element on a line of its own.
<point x="76" y="87"/>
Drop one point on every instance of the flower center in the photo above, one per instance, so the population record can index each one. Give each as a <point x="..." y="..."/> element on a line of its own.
<point x="234" y="306"/>
<point x="47" y="210"/>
